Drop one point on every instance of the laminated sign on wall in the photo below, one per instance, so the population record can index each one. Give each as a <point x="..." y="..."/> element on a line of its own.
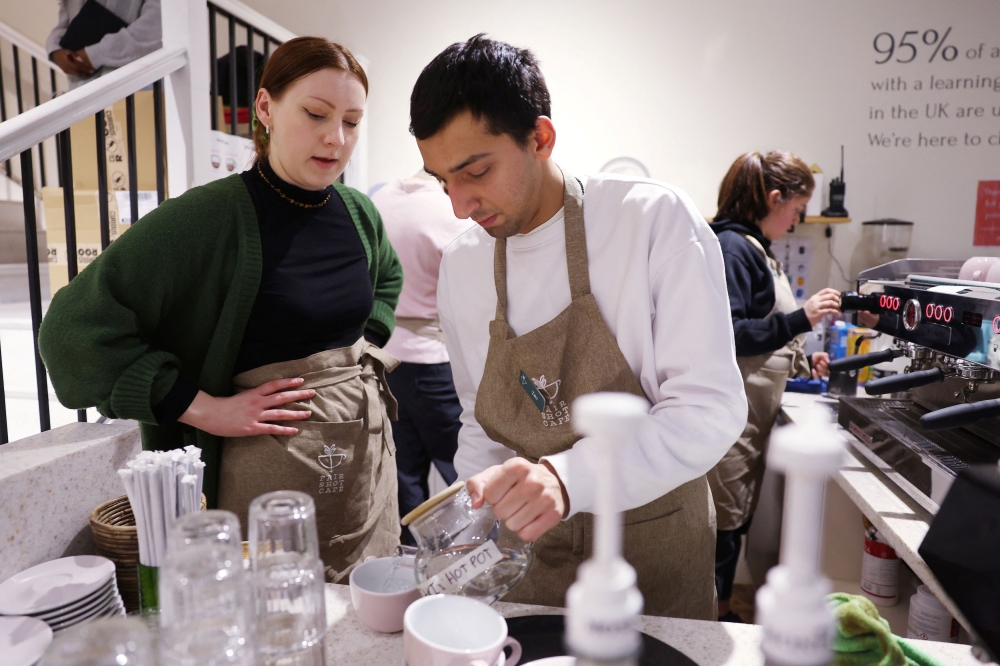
<point x="230" y="154"/>
<point x="987" y="214"/>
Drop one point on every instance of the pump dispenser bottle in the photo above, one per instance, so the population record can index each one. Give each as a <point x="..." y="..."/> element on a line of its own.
<point x="603" y="605"/>
<point x="792" y="607"/>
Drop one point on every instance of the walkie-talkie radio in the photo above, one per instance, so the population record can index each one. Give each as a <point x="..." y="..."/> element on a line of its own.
<point x="837" y="190"/>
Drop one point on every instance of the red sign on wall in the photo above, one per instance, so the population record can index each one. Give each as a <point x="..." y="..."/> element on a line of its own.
<point x="987" y="230"/>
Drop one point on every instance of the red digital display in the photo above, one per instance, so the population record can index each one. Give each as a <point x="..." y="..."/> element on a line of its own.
<point x="939" y="312"/>
<point x="888" y="302"/>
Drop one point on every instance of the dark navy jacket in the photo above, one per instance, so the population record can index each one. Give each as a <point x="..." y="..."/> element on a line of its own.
<point x="751" y="292"/>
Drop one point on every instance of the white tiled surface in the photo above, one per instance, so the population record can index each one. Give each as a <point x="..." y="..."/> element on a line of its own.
<point x="348" y="641"/>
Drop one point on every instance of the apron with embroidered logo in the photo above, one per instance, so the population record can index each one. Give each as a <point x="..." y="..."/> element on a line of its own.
<point x="736" y="480"/>
<point x="343" y="455"/>
<point x="524" y="402"/>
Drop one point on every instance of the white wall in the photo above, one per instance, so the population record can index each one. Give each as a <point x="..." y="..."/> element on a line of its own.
<point x="687" y="86"/>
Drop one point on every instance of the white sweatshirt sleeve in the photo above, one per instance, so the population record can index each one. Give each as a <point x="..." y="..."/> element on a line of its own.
<point x="141" y="37"/>
<point x="476" y="451"/>
<point x="52" y="42"/>
<point x="700" y="404"/>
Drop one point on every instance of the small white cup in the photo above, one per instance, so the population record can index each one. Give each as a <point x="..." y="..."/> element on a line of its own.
<point x="444" y="630"/>
<point x="383" y="610"/>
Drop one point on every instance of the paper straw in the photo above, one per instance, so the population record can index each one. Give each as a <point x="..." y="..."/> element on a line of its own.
<point x="161" y="487"/>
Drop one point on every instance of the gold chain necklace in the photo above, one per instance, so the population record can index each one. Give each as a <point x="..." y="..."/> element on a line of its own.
<point x="288" y="198"/>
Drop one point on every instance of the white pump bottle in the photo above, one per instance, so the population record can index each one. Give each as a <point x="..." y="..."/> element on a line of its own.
<point x="792" y="607"/>
<point x="603" y="605"/>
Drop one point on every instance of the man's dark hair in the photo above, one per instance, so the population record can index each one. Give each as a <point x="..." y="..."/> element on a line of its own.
<point x="491" y="79"/>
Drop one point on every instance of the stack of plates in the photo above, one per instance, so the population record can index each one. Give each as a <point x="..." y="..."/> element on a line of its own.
<point x="65" y="592"/>
<point x="23" y="640"/>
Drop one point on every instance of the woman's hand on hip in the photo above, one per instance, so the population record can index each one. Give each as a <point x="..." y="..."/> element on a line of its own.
<point x="824" y="302"/>
<point x="820" y="365"/>
<point x="528" y="497"/>
<point x="250" y="412"/>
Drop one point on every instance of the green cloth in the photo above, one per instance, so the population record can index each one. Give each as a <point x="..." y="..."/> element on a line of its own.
<point x="863" y="637"/>
<point x="171" y="298"/>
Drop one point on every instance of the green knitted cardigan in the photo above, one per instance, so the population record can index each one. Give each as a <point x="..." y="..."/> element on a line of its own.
<point x="170" y="299"/>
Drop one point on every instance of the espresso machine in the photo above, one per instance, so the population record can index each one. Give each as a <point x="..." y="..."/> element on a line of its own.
<point x="949" y="416"/>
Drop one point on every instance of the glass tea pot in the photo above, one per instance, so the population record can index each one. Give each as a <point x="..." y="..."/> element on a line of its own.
<point x="465" y="551"/>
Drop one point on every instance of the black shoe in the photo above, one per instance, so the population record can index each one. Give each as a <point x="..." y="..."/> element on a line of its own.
<point x="731" y="617"/>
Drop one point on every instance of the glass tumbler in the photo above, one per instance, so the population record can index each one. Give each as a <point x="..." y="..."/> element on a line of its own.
<point x="283" y="521"/>
<point x="119" y="641"/>
<point x="288" y="579"/>
<point x="465" y="551"/>
<point x="204" y="527"/>
<point x="207" y="613"/>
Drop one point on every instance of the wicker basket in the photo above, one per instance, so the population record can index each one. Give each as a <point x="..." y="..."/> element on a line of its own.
<point x="115" y="538"/>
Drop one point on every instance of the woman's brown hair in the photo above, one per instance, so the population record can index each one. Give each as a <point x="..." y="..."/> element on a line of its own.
<point x="296" y="59"/>
<point x="744" y="190"/>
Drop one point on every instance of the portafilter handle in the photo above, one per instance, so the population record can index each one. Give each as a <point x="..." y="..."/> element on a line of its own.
<point x="853" y="301"/>
<point x="904" y="382"/>
<point x="859" y="361"/>
<point x="957" y="416"/>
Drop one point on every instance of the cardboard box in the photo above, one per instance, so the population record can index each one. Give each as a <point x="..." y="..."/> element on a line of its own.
<point x="88" y="232"/>
<point x="83" y="137"/>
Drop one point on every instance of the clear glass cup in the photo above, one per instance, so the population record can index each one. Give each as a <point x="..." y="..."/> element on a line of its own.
<point x="469" y="552"/>
<point x="207" y="615"/>
<point x="119" y="641"/>
<point x="283" y="521"/>
<point x="288" y="579"/>
<point x="291" y="608"/>
<point x="204" y="527"/>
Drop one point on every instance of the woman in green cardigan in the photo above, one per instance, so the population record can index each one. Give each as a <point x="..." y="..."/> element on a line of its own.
<point x="246" y="317"/>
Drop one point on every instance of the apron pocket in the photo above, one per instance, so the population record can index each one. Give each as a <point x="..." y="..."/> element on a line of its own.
<point x="655" y="510"/>
<point x="336" y="467"/>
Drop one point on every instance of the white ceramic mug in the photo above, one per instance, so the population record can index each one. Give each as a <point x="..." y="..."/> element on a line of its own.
<point x="381" y="601"/>
<point x="977" y="268"/>
<point x="445" y="630"/>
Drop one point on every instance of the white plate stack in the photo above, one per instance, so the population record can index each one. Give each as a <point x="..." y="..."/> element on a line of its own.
<point x="64" y="592"/>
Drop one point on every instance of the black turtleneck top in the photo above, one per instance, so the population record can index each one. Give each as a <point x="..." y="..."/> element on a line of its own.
<point x="315" y="289"/>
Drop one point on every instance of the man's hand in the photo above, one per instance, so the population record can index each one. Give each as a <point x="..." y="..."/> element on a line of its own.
<point x="250" y="412"/>
<point x="68" y="62"/>
<point x="820" y="365"/>
<point x="526" y="496"/>
<point x="83" y="60"/>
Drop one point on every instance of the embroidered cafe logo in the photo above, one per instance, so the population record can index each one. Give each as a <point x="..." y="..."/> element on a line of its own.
<point x="556" y="412"/>
<point x="330" y="460"/>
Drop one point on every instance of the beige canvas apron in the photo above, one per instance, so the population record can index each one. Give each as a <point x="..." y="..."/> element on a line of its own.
<point x="671" y="540"/>
<point x="343" y="456"/>
<point x="737" y="478"/>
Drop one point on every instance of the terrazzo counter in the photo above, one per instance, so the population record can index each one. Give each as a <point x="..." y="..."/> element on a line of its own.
<point x="49" y="484"/>
<point x="348" y="641"/>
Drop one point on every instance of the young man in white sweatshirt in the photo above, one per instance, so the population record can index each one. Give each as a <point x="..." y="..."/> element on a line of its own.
<point x="480" y="112"/>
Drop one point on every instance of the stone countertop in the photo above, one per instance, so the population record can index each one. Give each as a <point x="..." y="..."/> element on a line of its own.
<point x="50" y="483"/>
<point x="348" y="641"/>
<point x="898" y="518"/>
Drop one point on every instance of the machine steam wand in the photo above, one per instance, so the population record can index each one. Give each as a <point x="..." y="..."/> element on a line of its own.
<point x="603" y="605"/>
<point x="791" y="606"/>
